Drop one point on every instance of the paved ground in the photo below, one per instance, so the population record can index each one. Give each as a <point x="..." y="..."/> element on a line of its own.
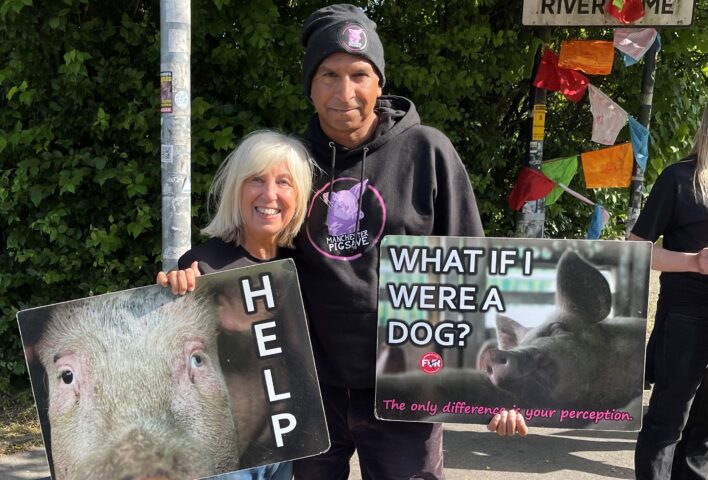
<point x="23" y="466"/>
<point x="472" y="453"/>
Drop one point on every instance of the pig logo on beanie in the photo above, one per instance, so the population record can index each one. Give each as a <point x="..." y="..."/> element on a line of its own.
<point x="353" y="38"/>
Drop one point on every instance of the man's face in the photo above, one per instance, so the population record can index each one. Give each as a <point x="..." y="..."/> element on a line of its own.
<point x="344" y="91"/>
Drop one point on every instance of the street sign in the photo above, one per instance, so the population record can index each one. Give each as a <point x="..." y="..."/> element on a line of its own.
<point x="587" y="13"/>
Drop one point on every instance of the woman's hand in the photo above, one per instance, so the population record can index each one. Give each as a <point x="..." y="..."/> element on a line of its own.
<point x="181" y="281"/>
<point x="508" y="422"/>
<point x="702" y="261"/>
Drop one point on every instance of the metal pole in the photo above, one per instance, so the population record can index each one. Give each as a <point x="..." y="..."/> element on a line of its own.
<point x="175" y="108"/>
<point x="646" y="100"/>
<point x="531" y="218"/>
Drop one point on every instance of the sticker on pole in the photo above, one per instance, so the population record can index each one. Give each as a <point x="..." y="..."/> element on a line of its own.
<point x="165" y="92"/>
<point x="539" y="122"/>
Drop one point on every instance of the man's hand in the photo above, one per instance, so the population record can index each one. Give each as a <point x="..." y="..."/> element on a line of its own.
<point x="508" y="422"/>
<point x="181" y="281"/>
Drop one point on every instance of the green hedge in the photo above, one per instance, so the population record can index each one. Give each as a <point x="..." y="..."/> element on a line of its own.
<point x="80" y="138"/>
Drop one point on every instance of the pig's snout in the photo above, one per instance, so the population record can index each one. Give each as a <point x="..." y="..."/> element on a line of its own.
<point x="506" y="366"/>
<point x="139" y="455"/>
<point x="499" y="364"/>
<point x="519" y="369"/>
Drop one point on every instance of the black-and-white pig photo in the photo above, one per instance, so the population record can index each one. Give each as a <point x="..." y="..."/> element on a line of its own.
<point x="553" y="328"/>
<point x="144" y="384"/>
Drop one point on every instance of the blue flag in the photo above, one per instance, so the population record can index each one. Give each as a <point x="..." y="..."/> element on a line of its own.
<point x="639" y="135"/>
<point x="597" y="222"/>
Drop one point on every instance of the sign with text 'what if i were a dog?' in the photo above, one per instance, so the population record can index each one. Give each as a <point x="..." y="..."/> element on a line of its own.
<point x="554" y="329"/>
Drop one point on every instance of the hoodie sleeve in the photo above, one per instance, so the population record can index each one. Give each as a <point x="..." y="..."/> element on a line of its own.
<point x="456" y="212"/>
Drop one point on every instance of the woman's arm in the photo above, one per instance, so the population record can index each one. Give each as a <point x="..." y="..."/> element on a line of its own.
<point x="670" y="261"/>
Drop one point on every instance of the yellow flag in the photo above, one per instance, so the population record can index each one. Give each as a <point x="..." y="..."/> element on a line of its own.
<point x="609" y="167"/>
<point x="593" y="57"/>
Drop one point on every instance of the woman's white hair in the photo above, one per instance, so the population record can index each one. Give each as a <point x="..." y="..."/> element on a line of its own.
<point x="700" y="149"/>
<point x="259" y="151"/>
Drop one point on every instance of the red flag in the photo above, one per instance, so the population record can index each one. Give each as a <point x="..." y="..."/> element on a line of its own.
<point x="547" y="74"/>
<point x="570" y="83"/>
<point x="631" y="10"/>
<point x="530" y="185"/>
<point x="573" y="84"/>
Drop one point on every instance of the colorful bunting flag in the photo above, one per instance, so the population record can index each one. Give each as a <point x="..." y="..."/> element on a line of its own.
<point x="594" y="57"/>
<point x="608" y="117"/>
<point x="629" y="11"/>
<point x="530" y="185"/>
<point x="547" y="73"/>
<point x="634" y="41"/>
<point x="639" y="135"/>
<point x="560" y="170"/>
<point x="570" y="83"/>
<point x="599" y="219"/>
<point x="609" y="167"/>
<point x="575" y="194"/>
<point x="628" y="61"/>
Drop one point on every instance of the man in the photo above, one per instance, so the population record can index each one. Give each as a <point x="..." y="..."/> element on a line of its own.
<point x="384" y="174"/>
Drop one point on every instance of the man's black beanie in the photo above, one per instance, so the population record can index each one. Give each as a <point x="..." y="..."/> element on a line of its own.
<point x="340" y="28"/>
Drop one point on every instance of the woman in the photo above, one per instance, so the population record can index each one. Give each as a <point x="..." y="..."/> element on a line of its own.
<point x="673" y="442"/>
<point x="261" y="191"/>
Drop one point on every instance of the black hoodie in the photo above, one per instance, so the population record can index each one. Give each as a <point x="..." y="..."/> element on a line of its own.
<point x="413" y="183"/>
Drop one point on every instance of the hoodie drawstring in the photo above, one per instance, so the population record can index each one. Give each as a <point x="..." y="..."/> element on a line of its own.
<point x="331" y="175"/>
<point x="361" y="191"/>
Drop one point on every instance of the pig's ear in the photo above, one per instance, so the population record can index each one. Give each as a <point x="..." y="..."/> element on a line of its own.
<point x="509" y="332"/>
<point x="356" y="189"/>
<point x="582" y="289"/>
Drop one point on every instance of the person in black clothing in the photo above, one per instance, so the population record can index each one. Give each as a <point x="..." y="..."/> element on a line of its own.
<point x="261" y="192"/>
<point x="384" y="174"/>
<point x="673" y="442"/>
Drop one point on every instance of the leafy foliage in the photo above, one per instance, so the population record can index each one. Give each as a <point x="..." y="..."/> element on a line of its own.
<point x="79" y="121"/>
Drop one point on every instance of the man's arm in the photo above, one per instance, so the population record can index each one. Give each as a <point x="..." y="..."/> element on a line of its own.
<point x="456" y="211"/>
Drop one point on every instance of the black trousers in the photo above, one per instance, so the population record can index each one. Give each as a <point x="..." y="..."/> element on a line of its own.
<point x="673" y="442"/>
<point x="387" y="450"/>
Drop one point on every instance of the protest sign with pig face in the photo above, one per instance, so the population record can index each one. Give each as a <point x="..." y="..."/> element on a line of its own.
<point x="134" y="381"/>
<point x="578" y="356"/>
<point x="142" y="384"/>
<point x="527" y="324"/>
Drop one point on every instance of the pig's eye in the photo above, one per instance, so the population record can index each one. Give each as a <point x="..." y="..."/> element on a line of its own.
<point x="196" y="360"/>
<point x="67" y="377"/>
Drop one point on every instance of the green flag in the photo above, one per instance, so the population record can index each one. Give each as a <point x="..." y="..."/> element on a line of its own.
<point x="560" y="170"/>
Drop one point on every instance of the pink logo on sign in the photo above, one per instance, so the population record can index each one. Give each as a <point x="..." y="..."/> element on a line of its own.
<point x="431" y="362"/>
<point x="353" y="38"/>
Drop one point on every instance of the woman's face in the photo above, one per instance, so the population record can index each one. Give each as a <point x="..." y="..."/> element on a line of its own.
<point x="268" y="202"/>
